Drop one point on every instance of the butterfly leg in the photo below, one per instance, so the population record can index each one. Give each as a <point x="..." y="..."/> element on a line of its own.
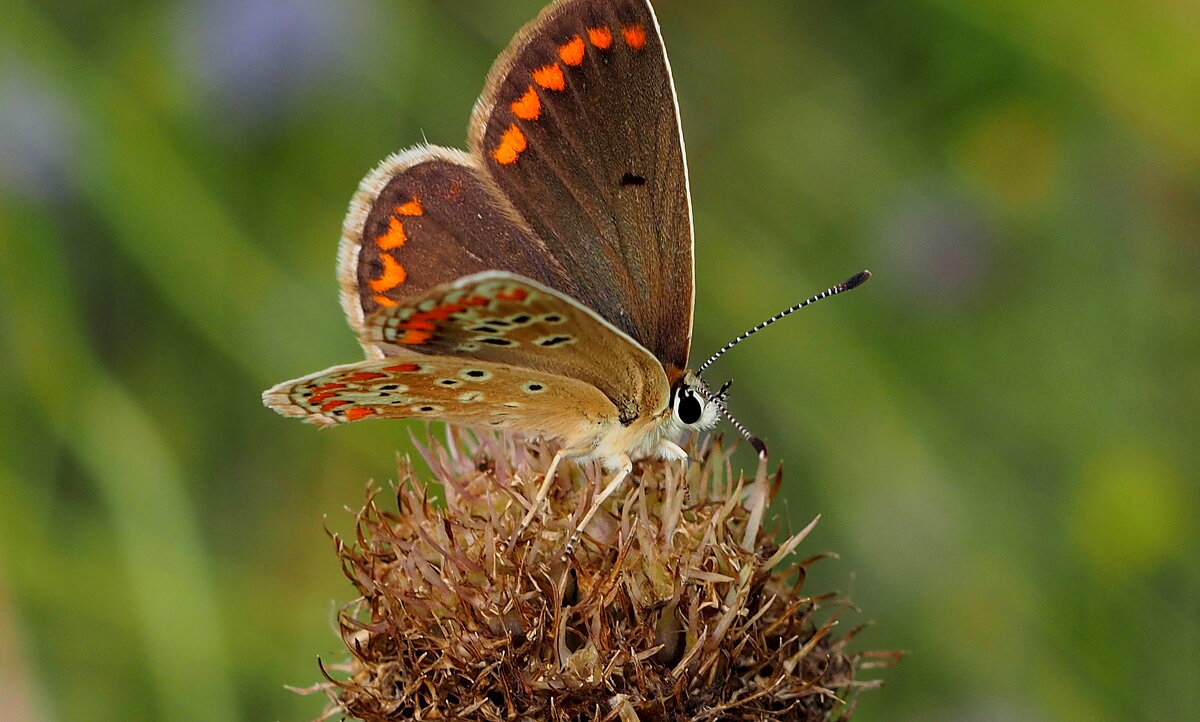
<point x="626" y="467"/>
<point x="671" y="451"/>
<point x="544" y="490"/>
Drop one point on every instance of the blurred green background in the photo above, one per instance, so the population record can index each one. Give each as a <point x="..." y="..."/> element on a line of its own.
<point x="1000" y="429"/>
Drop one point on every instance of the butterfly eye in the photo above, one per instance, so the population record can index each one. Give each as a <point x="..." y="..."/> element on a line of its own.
<point x="689" y="409"/>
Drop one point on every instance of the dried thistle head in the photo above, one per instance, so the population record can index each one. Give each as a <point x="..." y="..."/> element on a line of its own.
<point x="673" y="607"/>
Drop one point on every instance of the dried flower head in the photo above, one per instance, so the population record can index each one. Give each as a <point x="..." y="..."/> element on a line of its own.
<point x="672" y="607"/>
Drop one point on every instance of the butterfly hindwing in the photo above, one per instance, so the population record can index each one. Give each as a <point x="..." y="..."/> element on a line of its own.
<point x="425" y="217"/>
<point x="457" y="390"/>
<point x="578" y="127"/>
<point x="503" y="318"/>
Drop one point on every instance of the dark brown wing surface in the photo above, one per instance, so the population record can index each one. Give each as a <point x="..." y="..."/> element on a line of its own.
<point x="423" y="218"/>
<point x="579" y="128"/>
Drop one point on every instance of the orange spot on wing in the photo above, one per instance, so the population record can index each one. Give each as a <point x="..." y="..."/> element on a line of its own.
<point x="334" y="404"/>
<point x="393" y="274"/>
<point x="412" y="208"/>
<point x="360" y="376"/>
<point x="635" y="36"/>
<point x="512" y="145"/>
<point x="572" y="52"/>
<point x="513" y="294"/>
<point x="475" y="301"/>
<point x="440" y="313"/>
<point x="318" y="398"/>
<point x="418" y="324"/>
<point x="385" y="301"/>
<point x="402" y="368"/>
<point x="529" y="107"/>
<point x="416" y="337"/>
<point x="359" y="412"/>
<point x="600" y="37"/>
<point x="395" y="236"/>
<point x="550" y="77"/>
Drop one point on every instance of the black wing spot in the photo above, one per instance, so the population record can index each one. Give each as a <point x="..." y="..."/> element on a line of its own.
<point x="497" y="341"/>
<point x="632" y="179"/>
<point x="521" y="319"/>
<point x="475" y="373"/>
<point x="554" y="341"/>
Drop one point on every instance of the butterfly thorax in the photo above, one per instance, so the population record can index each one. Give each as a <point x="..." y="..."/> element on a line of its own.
<point x="656" y="435"/>
<point x="641" y="439"/>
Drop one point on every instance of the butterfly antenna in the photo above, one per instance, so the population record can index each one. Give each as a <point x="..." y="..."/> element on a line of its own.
<point x="850" y="283"/>
<point x="719" y="399"/>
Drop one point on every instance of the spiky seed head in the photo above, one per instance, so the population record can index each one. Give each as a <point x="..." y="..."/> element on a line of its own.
<point x="676" y="605"/>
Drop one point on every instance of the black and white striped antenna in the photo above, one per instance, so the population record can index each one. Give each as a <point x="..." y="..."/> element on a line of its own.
<point x="850" y="283"/>
<point x="718" y="398"/>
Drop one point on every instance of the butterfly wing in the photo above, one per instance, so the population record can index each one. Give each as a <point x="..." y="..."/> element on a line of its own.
<point x="458" y="390"/>
<point x="579" y="128"/>
<point x="425" y="217"/>
<point x="505" y="319"/>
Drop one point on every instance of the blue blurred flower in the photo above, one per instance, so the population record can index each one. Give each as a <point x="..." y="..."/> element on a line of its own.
<point x="257" y="58"/>
<point x="37" y="134"/>
<point x="939" y="247"/>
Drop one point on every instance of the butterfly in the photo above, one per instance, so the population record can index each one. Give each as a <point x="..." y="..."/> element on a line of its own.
<point x="543" y="281"/>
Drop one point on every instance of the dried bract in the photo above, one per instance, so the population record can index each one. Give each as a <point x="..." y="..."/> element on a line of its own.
<point x="674" y="605"/>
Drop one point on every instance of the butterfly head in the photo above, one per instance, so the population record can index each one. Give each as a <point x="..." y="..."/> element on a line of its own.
<point x="693" y="405"/>
<point x="696" y="407"/>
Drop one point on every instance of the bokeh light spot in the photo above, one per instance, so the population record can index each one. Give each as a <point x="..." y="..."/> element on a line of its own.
<point x="1130" y="512"/>
<point x="1014" y="151"/>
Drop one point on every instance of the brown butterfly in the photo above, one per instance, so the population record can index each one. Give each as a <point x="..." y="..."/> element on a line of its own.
<point x="543" y="281"/>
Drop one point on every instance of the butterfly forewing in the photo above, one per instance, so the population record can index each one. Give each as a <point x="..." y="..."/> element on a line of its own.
<point x="457" y="390"/>
<point x="502" y="318"/>
<point x="578" y="126"/>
